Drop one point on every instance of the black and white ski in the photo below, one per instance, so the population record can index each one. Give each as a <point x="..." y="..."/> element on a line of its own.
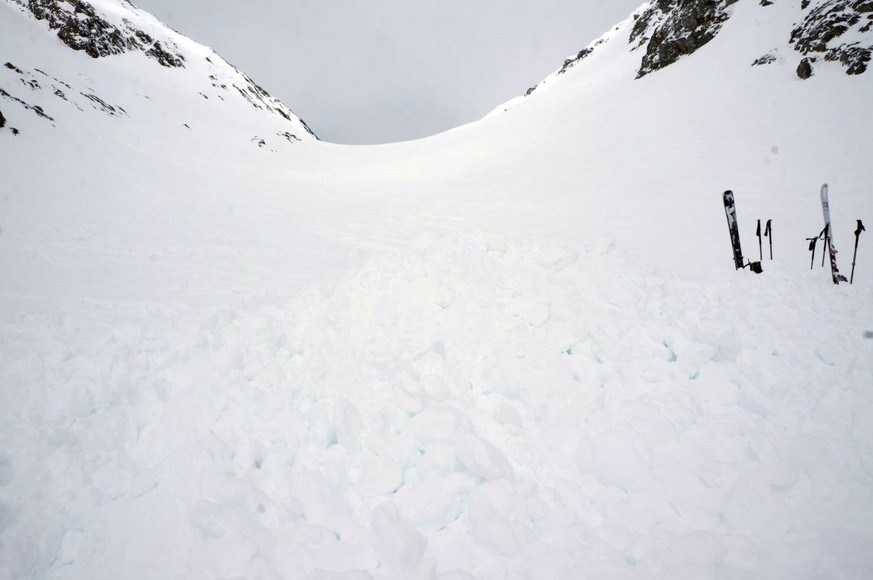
<point x="730" y="210"/>
<point x="829" y="238"/>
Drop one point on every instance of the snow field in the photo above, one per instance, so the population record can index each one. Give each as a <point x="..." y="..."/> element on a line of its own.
<point x="473" y="407"/>
<point x="221" y="362"/>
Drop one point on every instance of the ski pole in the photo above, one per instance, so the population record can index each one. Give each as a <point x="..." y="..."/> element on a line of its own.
<point x="758" y="233"/>
<point x="812" y="242"/>
<point x="825" y="236"/>
<point x="858" y="231"/>
<point x="768" y="233"/>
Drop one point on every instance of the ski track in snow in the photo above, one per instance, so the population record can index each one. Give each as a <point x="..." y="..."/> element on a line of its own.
<point x="497" y="406"/>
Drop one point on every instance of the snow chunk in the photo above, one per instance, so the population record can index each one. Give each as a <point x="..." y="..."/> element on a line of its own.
<point x="398" y="544"/>
<point x="482" y="458"/>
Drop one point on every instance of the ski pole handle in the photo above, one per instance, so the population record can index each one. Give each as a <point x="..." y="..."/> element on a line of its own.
<point x="858" y="231"/>
<point x="760" y="249"/>
<point x="825" y="233"/>
<point x="812" y="242"/>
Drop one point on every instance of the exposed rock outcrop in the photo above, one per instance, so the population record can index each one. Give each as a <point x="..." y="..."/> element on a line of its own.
<point x="107" y="28"/>
<point x="838" y="30"/>
<point x="35" y="108"/>
<point x="81" y="28"/>
<point x="804" y="69"/>
<point x="671" y="29"/>
<point x="768" y="58"/>
<point x="36" y="81"/>
<point x="581" y="55"/>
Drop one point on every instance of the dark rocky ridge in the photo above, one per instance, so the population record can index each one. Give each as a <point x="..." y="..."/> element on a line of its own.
<point x="825" y="25"/>
<point x="671" y="29"/>
<point x="83" y="25"/>
<point x="831" y="30"/>
<point x="582" y="55"/>
<point x="81" y="28"/>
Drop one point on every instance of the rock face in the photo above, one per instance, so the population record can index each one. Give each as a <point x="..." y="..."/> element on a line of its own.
<point x="768" y="58"/>
<point x="80" y="27"/>
<point x="104" y="29"/>
<point x="838" y="30"/>
<point x="665" y="31"/>
<point x="671" y="29"/>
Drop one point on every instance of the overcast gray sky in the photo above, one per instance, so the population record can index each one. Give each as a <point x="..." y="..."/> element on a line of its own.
<point x="391" y="70"/>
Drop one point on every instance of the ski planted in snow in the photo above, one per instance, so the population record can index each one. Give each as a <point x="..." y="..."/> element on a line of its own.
<point x="730" y="210"/>
<point x="829" y="239"/>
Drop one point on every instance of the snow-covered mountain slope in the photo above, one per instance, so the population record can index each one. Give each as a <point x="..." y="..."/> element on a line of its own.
<point x="665" y="31"/>
<point x="69" y="61"/>
<point x="518" y="349"/>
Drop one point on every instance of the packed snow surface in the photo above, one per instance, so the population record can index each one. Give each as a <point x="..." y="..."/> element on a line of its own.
<point x="515" y="350"/>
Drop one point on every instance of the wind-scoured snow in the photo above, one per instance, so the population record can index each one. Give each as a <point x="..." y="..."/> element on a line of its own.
<point x="518" y="349"/>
